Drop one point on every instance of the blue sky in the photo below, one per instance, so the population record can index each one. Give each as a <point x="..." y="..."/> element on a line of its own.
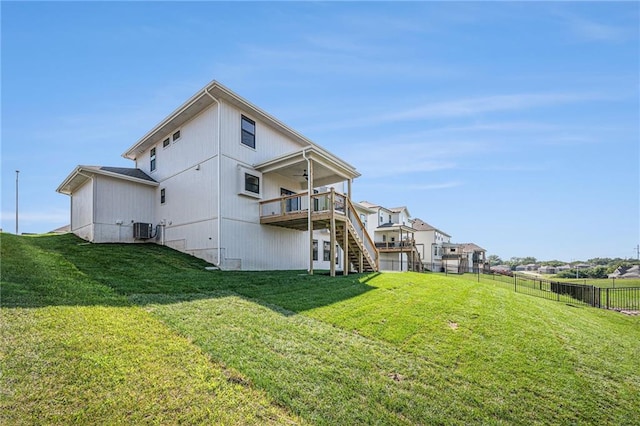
<point x="511" y="125"/>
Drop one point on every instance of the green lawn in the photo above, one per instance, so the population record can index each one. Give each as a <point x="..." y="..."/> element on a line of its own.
<point x="287" y="347"/>
<point x="73" y="351"/>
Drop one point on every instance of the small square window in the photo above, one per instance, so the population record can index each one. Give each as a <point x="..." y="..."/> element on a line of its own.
<point x="163" y="196"/>
<point x="166" y="142"/>
<point x="251" y="183"/>
<point x="176" y="135"/>
<point x="248" y="129"/>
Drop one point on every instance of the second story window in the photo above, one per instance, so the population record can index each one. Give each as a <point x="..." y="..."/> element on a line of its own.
<point x="166" y="142"/>
<point x="175" y="136"/>
<point x="248" y="129"/>
<point x="152" y="158"/>
<point x="163" y="196"/>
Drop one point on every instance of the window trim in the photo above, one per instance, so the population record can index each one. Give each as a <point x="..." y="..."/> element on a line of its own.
<point x="173" y="134"/>
<point x="163" y="195"/>
<point x="243" y="171"/>
<point x="244" y="118"/>
<point x="166" y="143"/>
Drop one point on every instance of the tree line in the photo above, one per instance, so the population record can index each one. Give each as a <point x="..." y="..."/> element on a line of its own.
<point x="601" y="265"/>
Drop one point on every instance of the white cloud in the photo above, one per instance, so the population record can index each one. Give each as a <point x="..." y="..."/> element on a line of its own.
<point x="596" y="31"/>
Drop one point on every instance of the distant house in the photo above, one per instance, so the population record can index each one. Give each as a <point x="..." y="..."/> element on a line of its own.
<point x="501" y="268"/>
<point x="475" y="256"/>
<point x="583" y="266"/>
<point x="393" y="236"/>
<point x="429" y="241"/>
<point x="563" y="268"/>
<point x="547" y="270"/>
<point x="626" y="272"/>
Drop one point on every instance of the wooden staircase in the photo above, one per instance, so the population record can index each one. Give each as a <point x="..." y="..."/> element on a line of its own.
<point x="358" y="256"/>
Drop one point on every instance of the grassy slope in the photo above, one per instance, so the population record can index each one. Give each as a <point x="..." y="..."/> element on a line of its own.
<point x="390" y="348"/>
<point x="74" y="351"/>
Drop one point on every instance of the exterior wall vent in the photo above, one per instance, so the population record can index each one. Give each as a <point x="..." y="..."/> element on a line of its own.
<point x="142" y="231"/>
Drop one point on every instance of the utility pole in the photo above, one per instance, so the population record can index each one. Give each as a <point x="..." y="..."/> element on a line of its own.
<point x="638" y="252"/>
<point x="17" y="173"/>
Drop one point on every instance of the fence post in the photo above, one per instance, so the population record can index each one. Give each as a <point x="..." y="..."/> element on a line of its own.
<point x="515" y="283"/>
<point x="607" y="301"/>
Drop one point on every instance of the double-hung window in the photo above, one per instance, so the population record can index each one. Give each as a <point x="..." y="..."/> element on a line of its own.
<point x="248" y="129"/>
<point x="152" y="159"/>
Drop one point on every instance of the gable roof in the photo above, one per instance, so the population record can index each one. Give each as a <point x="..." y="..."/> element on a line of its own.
<point x="400" y="209"/>
<point x="470" y="247"/>
<point x="83" y="173"/>
<point x="421" y="225"/>
<point x="368" y="204"/>
<point x="203" y="100"/>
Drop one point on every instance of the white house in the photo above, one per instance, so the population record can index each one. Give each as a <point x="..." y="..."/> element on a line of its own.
<point x="223" y="180"/>
<point x="429" y="241"/>
<point x="393" y="235"/>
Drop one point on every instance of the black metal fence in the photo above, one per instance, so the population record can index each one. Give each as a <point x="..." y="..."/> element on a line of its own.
<point x="620" y="298"/>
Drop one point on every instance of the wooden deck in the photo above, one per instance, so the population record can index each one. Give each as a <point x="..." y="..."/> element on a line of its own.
<point x="332" y="211"/>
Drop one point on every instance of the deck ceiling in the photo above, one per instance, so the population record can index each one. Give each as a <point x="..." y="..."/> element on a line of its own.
<point x="326" y="171"/>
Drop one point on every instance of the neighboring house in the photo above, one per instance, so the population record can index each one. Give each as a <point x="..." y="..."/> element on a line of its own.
<point x="391" y="231"/>
<point x="453" y="259"/>
<point x="501" y="269"/>
<point x="563" y="268"/>
<point x="475" y="257"/>
<point x="547" y="270"/>
<point x="584" y="266"/>
<point x="626" y="272"/>
<point x="429" y="240"/>
<point x="223" y="180"/>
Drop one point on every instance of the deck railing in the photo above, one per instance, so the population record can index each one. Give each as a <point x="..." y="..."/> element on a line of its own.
<point x="299" y="203"/>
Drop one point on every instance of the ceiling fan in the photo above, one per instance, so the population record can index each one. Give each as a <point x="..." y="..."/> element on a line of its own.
<point x="304" y="175"/>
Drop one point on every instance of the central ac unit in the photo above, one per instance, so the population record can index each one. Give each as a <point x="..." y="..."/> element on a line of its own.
<point x="142" y="231"/>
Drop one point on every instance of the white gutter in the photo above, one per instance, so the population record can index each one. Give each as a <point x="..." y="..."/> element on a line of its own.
<point x="219" y="208"/>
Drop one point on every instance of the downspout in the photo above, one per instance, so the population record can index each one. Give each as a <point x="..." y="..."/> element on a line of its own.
<point x="219" y="208"/>
<point x="309" y="225"/>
